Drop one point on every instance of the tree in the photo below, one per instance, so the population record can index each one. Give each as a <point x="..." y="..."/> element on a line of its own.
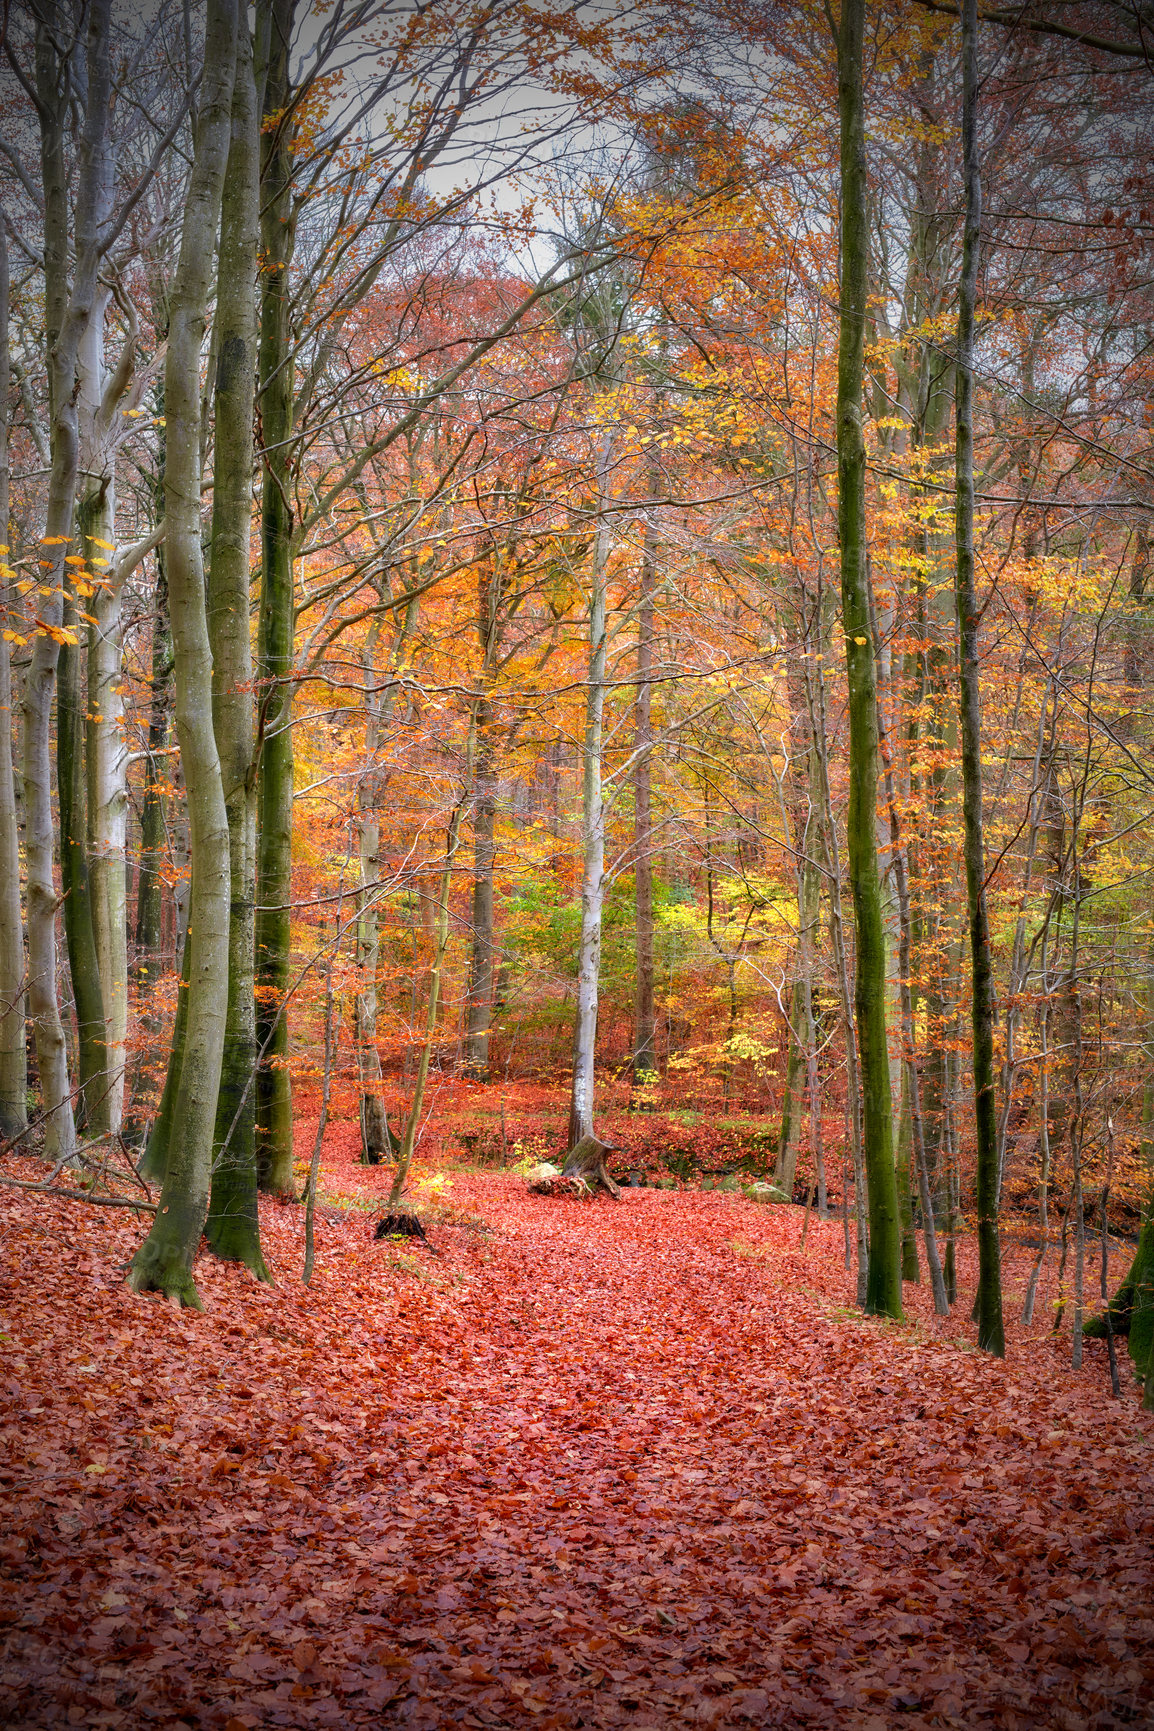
<point x="884" y="1288"/>
<point x="164" y="1260"/>
<point x="13" y="1065"/>
<point x="990" y="1331"/>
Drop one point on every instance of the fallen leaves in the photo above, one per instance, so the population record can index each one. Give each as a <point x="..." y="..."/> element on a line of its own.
<point x="603" y="1471"/>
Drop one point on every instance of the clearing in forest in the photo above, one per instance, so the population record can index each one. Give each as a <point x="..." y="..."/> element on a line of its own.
<point x="590" y="1464"/>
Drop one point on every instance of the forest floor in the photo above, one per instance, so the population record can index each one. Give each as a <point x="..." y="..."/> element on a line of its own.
<point x="590" y="1464"/>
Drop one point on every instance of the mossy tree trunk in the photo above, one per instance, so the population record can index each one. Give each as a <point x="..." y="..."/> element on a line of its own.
<point x="884" y="1284"/>
<point x="991" y="1334"/>
<point x="274" y="1129"/>
<point x="233" y="1226"/>
<point x="164" y="1260"/>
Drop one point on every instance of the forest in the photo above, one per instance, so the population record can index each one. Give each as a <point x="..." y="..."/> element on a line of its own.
<point x="576" y="863"/>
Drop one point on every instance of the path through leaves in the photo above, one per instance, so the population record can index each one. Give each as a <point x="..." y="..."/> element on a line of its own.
<point x="592" y="1465"/>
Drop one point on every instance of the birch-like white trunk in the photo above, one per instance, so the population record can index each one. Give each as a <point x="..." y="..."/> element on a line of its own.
<point x="592" y="826"/>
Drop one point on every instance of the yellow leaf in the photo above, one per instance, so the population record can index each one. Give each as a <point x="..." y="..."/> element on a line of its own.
<point x="861" y="640"/>
<point x="97" y="542"/>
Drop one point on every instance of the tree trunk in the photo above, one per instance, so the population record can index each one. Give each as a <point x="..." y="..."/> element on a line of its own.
<point x="587" y="1161"/>
<point x="884" y="1285"/>
<point x="440" y="944"/>
<point x="644" y="1019"/>
<point x="479" y="1012"/>
<point x="149" y="883"/>
<point x="164" y="1260"/>
<point x="592" y="826"/>
<point x="101" y="392"/>
<point x="376" y="1141"/>
<point x="106" y="834"/>
<point x="79" y="927"/>
<point x="274" y="1129"/>
<point x="991" y="1334"/>
<point x="233" y="1226"/>
<point x="66" y="318"/>
<point x="13" y="1061"/>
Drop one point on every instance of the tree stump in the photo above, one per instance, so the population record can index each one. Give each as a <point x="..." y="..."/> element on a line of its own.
<point x="401" y="1224"/>
<point x="587" y="1162"/>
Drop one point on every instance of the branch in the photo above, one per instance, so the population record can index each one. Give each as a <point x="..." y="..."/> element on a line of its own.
<point x="1041" y="27"/>
<point x="47" y="1189"/>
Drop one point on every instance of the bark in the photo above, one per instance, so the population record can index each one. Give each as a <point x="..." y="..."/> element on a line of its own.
<point x="587" y="1161"/>
<point x="911" y="1270"/>
<point x="440" y="944"/>
<point x="802" y="1041"/>
<point x="644" y="1018"/>
<point x="991" y="1334"/>
<point x="831" y="857"/>
<point x="275" y="640"/>
<point x="479" y="1011"/>
<point x="102" y="388"/>
<point x="592" y="827"/>
<point x="884" y="1285"/>
<point x="13" y="1062"/>
<point x="912" y="1113"/>
<point x="106" y="833"/>
<point x="164" y="1260"/>
<point x="79" y="927"/>
<point x="66" y="317"/>
<point x="376" y="1141"/>
<point x="149" y="883"/>
<point x="1044" y="1180"/>
<point x="154" y="1161"/>
<point x="233" y="1227"/>
<point x="323" y="1119"/>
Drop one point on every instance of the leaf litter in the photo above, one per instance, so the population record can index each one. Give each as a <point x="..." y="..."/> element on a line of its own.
<point x="594" y="1465"/>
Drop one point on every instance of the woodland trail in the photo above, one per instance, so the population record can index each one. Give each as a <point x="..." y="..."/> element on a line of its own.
<point x="593" y="1465"/>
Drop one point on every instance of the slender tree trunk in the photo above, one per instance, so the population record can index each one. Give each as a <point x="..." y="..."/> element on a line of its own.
<point x="149" y="881"/>
<point x="1044" y="1141"/>
<point x="991" y="1334"/>
<point x="644" y="1018"/>
<point x="101" y="391"/>
<point x="827" y="835"/>
<point x="79" y="926"/>
<point x="375" y="1138"/>
<point x="274" y="1128"/>
<point x="884" y="1285"/>
<point x="592" y="826"/>
<point x="233" y="1226"/>
<point x="164" y="1260"/>
<point x="479" y="1012"/>
<point x="13" y="1062"/>
<point x="440" y="944"/>
<point x="106" y="838"/>
<point x="913" y="1115"/>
